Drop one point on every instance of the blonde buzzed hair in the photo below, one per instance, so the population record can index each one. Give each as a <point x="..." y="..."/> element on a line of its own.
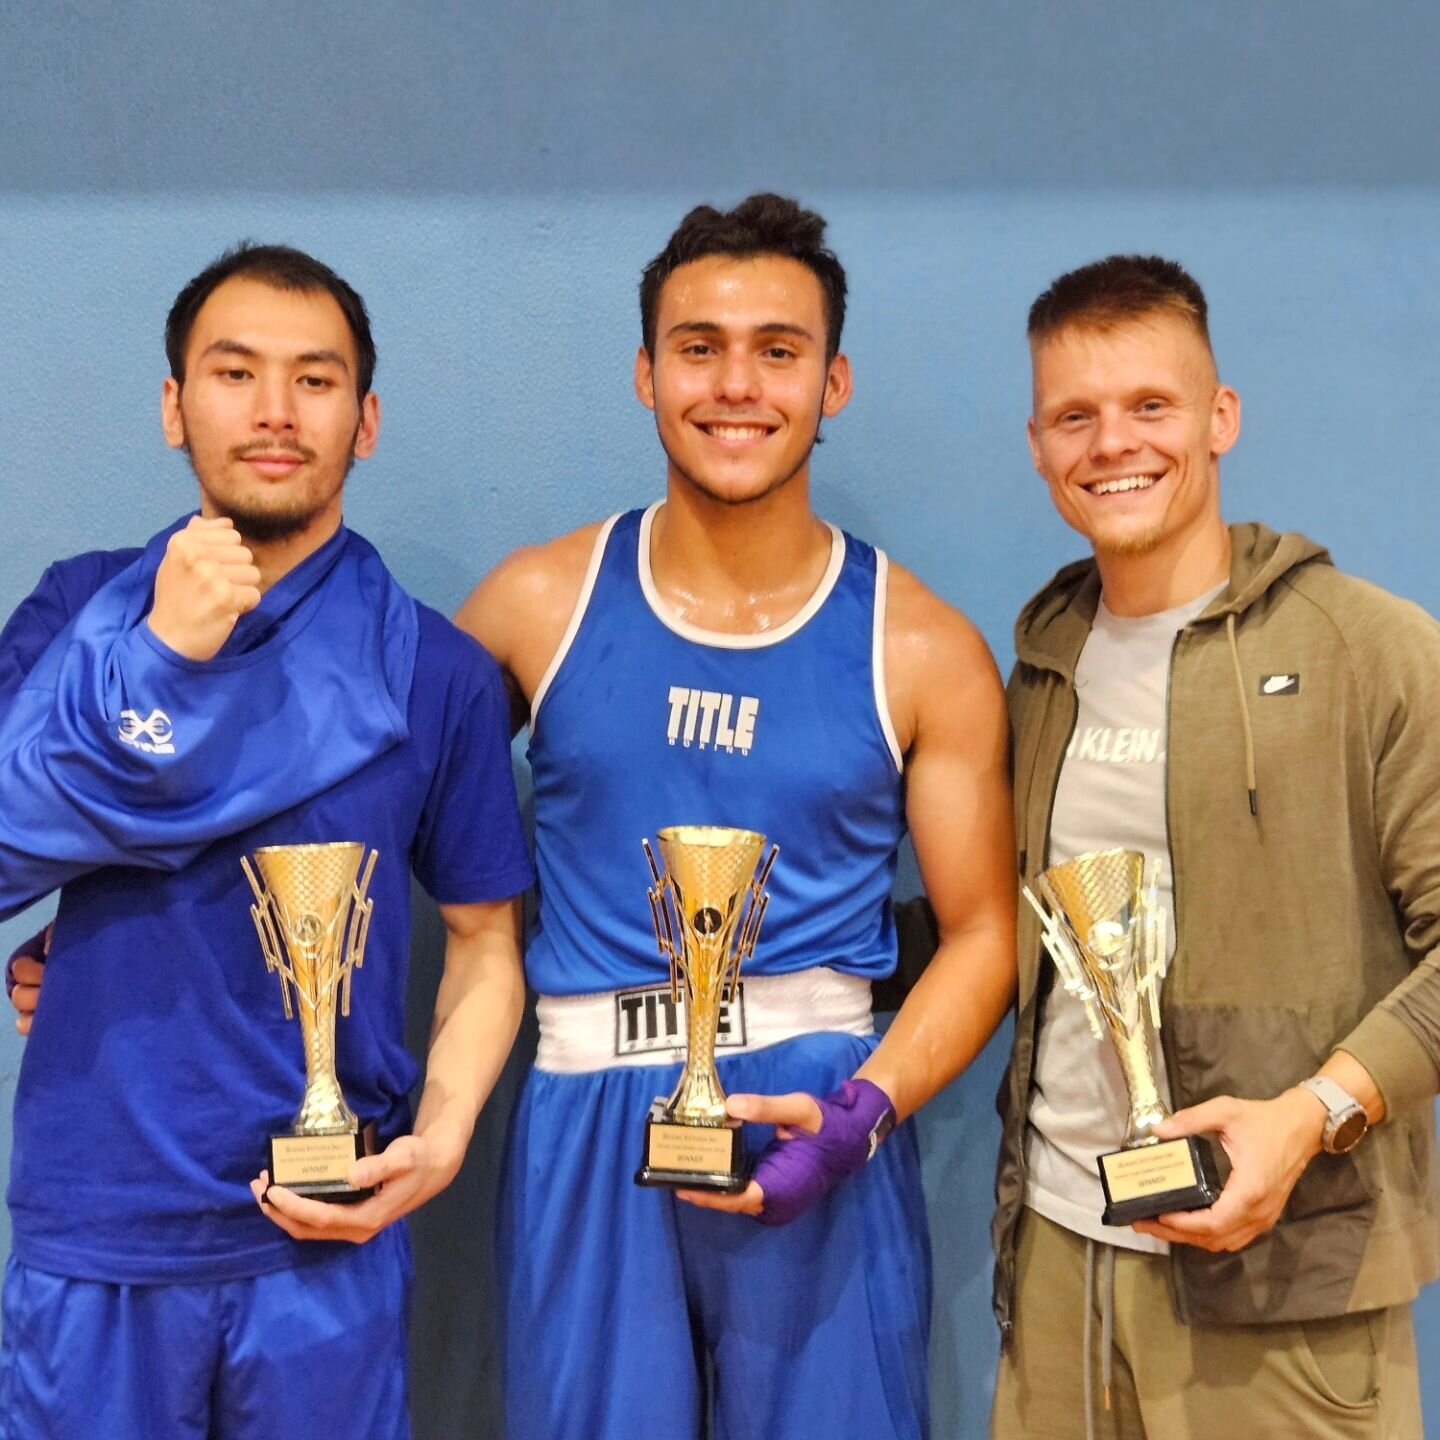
<point x="1119" y="288"/>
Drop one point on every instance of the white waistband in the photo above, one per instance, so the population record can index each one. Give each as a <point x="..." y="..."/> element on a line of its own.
<point x="624" y="1028"/>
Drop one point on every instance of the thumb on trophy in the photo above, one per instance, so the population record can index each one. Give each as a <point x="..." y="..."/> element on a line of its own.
<point x="1210" y="1117"/>
<point x="797" y="1111"/>
<point x="396" y="1159"/>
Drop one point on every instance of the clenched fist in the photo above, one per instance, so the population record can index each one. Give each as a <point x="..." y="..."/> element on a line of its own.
<point x="206" y="582"/>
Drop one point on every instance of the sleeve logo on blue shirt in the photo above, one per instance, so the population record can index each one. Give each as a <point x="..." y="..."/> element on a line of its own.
<point x="704" y="717"/>
<point x="153" y="735"/>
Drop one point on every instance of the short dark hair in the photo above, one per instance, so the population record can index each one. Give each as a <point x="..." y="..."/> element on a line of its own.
<point x="761" y="225"/>
<point x="282" y="268"/>
<point x="1119" y="288"/>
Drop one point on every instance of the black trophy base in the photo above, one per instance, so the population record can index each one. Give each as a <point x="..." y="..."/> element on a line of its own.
<point x="317" y="1166"/>
<point x="692" y="1157"/>
<point x="1153" y="1180"/>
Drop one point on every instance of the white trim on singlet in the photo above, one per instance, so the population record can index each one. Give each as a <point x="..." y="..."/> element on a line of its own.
<point x="877" y="658"/>
<point x="576" y="616"/>
<point x="720" y="639"/>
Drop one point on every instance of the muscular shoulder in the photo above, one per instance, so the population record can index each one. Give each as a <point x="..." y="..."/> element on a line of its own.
<point x="520" y="610"/>
<point x="937" y="665"/>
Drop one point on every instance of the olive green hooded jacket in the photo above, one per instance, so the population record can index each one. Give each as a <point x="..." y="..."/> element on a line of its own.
<point x="1303" y="800"/>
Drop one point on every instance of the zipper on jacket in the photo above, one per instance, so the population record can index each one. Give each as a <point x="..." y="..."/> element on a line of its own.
<point x="1182" y="1308"/>
<point x="1065" y="755"/>
<point x="1007" y="1264"/>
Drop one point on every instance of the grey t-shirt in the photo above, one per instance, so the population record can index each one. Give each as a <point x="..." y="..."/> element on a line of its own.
<point x="1111" y="793"/>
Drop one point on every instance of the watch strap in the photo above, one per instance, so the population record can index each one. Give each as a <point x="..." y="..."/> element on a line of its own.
<point x="1340" y="1106"/>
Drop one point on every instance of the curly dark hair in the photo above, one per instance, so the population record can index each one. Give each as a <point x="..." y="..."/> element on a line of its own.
<point x="761" y="225"/>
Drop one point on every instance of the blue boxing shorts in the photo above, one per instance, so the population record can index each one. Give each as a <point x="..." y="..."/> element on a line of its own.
<point x="620" y="1301"/>
<point x="318" y="1350"/>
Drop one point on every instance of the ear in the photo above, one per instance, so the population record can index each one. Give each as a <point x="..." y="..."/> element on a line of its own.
<point x="839" y="386"/>
<point x="1032" y="434"/>
<point x="1224" y="421"/>
<point x="645" y="378"/>
<point x="170" y="417"/>
<point x="368" y="433"/>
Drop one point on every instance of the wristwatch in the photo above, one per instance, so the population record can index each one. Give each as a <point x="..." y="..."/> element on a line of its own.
<point x="1345" y="1122"/>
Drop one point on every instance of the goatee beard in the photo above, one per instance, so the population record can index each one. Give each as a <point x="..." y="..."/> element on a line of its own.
<point x="1138" y="543"/>
<point x="268" y="527"/>
<point x="735" y="501"/>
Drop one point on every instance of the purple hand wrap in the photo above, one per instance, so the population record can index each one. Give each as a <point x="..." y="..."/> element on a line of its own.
<point x="31" y="949"/>
<point x="795" y="1174"/>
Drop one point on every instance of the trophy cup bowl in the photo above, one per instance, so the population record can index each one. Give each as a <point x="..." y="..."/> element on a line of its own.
<point x="707" y="905"/>
<point x="313" y="919"/>
<point x="1105" y="930"/>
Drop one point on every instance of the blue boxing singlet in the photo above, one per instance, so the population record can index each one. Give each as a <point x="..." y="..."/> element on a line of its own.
<point x="644" y="721"/>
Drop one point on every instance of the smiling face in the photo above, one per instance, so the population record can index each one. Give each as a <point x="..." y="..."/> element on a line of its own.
<point x="739" y="380"/>
<point x="268" y="410"/>
<point x="1128" y="427"/>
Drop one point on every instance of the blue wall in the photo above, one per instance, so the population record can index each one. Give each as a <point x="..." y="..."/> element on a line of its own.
<point x="493" y="177"/>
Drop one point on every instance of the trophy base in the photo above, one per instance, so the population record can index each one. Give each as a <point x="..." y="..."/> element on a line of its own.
<point x="317" y="1166"/>
<point x="692" y="1157"/>
<point x="1153" y="1180"/>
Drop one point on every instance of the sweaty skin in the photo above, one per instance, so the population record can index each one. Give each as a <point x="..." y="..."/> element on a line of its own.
<point x="739" y="384"/>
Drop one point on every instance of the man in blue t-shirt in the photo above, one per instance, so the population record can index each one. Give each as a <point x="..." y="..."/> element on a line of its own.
<point x="252" y="677"/>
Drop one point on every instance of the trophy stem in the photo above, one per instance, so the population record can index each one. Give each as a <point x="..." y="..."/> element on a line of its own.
<point x="323" y="1109"/>
<point x="699" y="1098"/>
<point x="1147" y="1109"/>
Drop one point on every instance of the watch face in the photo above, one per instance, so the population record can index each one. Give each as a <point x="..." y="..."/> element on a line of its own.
<point x="1348" y="1131"/>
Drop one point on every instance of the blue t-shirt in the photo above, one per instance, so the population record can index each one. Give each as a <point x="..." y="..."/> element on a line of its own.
<point x="44" y="613"/>
<point x="645" y="721"/>
<point x="161" y="1060"/>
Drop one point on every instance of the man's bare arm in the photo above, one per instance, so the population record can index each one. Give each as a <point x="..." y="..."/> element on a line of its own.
<point x="950" y="706"/>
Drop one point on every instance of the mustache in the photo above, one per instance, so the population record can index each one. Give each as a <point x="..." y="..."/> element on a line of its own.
<point x="272" y="447"/>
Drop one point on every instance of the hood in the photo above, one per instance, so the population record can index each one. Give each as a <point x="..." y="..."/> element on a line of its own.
<point x="1053" y="624"/>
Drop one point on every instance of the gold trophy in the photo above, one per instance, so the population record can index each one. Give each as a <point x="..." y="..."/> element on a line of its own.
<point x="696" y="905"/>
<point x="1105" y="931"/>
<point x="311" y="910"/>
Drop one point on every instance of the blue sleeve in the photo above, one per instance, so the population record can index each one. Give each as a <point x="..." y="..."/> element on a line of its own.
<point x="48" y="609"/>
<point x="116" y="750"/>
<point x="470" y="848"/>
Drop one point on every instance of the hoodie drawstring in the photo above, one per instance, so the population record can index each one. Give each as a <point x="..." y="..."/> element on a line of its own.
<point x="1107" y="1328"/>
<point x="1250" y="783"/>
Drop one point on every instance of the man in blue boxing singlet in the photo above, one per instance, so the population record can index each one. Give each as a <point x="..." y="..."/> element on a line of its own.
<point x="253" y="676"/>
<point x="726" y="657"/>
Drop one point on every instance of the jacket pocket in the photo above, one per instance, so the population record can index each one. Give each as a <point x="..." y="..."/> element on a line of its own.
<point x="1254" y="1054"/>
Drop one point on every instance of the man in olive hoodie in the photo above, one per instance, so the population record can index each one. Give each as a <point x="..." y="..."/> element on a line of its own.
<point x="1222" y="699"/>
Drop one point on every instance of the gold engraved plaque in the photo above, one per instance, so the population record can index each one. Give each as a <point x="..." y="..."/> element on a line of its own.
<point x="313" y="918"/>
<point x="1104" y="928"/>
<point x="1151" y="1170"/>
<point x="707" y="906"/>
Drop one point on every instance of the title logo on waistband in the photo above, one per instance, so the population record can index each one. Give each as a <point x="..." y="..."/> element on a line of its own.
<point x="648" y="1020"/>
<point x="712" y="719"/>
<point x="152" y="735"/>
